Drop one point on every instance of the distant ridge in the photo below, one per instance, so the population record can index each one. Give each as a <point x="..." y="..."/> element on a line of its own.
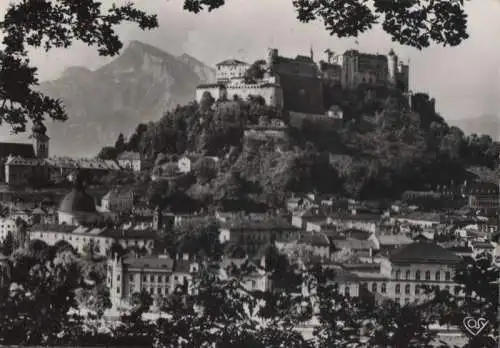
<point x="136" y="87"/>
<point x="484" y="124"/>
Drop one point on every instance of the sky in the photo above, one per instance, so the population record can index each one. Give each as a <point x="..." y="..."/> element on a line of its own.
<point x="463" y="79"/>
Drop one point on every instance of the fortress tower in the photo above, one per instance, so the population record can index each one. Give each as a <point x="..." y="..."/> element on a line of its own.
<point x="272" y="56"/>
<point x="393" y="67"/>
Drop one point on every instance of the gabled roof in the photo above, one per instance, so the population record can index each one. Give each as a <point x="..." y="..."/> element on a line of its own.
<point x="129" y="156"/>
<point x="423" y="253"/>
<point x="482" y="245"/>
<point x="21" y="161"/>
<point x="353" y="244"/>
<point x="152" y="262"/>
<point x="391" y="239"/>
<point x="229" y="62"/>
<point x="16" y="149"/>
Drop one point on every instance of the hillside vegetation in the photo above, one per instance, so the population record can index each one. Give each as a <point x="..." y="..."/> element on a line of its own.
<point x="381" y="149"/>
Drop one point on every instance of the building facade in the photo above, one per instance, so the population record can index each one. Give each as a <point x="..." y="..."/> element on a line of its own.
<point x="411" y="267"/>
<point x="130" y="161"/>
<point x="118" y="201"/>
<point x="373" y="69"/>
<point x="159" y="276"/>
<point x="230" y="69"/>
<point x="269" y="90"/>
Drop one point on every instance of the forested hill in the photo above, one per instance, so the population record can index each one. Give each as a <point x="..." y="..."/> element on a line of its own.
<point x="380" y="149"/>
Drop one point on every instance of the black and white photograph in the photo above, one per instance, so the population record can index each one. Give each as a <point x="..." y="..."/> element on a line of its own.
<point x="250" y="173"/>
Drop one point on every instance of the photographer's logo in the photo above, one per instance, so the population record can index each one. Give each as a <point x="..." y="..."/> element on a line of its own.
<point x="475" y="326"/>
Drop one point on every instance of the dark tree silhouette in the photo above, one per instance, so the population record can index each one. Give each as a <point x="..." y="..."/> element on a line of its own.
<point x="415" y="23"/>
<point x="46" y="25"/>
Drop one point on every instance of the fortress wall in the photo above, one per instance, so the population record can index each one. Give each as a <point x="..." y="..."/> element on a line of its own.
<point x="302" y="94"/>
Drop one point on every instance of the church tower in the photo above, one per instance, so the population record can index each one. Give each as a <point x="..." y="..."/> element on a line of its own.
<point x="40" y="140"/>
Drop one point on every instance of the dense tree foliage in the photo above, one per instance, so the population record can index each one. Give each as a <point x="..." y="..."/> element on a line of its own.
<point x="476" y="294"/>
<point x="416" y="23"/>
<point x="255" y="71"/>
<point x="381" y="149"/>
<point x="221" y="310"/>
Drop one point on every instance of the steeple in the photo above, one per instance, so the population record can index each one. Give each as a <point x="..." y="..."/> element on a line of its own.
<point x="312" y="53"/>
<point x="40" y="140"/>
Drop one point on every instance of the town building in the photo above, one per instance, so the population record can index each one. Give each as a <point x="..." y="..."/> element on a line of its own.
<point x="252" y="234"/>
<point x="25" y="171"/>
<point x="420" y="264"/>
<point x="335" y="112"/>
<point x="185" y="164"/>
<point x="159" y="276"/>
<point x="7" y="226"/>
<point x="24" y="163"/>
<point x="100" y="238"/>
<point x="316" y="244"/>
<point x="255" y="279"/>
<point x="118" y="200"/>
<point x="482" y="196"/>
<point x="130" y="161"/>
<point x="419" y="219"/>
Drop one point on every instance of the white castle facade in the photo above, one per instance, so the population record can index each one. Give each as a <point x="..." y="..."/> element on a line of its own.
<point x="287" y="79"/>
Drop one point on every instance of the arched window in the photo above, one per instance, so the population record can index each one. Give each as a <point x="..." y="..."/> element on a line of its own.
<point x="398" y="274"/>
<point x="417" y="289"/>
<point x="408" y="274"/>
<point x="347" y="291"/>
<point x="374" y="287"/>
<point x="383" y="288"/>
<point x="438" y="276"/>
<point x="427" y="275"/>
<point x="407" y="289"/>
<point x="417" y="275"/>
<point x="398" y="288"/>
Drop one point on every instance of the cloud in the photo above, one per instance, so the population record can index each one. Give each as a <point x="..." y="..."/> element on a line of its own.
<point x="464" y="79"/>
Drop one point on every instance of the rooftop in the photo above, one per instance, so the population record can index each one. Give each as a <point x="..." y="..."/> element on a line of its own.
<point x="129" y="156"/>
<point x="16" y="149"/>
<point x="423" y="253"/>
<point x="152" y="262"/>
<point x="229" y="62"/>
<point x="392" y="239"/>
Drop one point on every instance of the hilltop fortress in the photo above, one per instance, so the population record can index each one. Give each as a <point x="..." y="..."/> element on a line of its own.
<point x="296" y="84"/>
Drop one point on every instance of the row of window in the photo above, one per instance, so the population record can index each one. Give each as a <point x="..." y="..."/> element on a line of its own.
<point x="152" y="278"/>
<point x="427" y="275"/>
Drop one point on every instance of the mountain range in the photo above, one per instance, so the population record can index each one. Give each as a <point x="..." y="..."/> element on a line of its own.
<point x="137" y="87"/>
<point x="484" y="124"/>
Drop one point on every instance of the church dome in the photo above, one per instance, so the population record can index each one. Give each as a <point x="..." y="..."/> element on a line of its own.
<point x="77" y="201"/>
